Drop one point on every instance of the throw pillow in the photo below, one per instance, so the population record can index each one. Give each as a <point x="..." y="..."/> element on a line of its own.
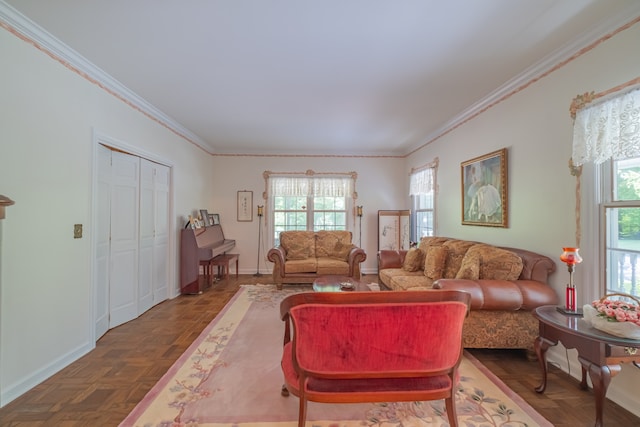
<point x="434" y="261"/>
<point x="342" y="250"/>
<point x="298" y="252"/>
<point x="497" y="263"/>
<point x="298" y="244"/>
<point x="333" y="244"/>
<point x="470" y="267"/>
<point x="413" y="260"/>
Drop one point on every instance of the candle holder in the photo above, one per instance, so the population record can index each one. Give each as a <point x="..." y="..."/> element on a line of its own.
<point x="571" y="257"/>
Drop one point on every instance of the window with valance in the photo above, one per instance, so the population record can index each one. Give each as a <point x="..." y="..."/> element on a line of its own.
<point x="310" y="201"/>
<point x="422" y="190"/>
<point x="607" y="139"/>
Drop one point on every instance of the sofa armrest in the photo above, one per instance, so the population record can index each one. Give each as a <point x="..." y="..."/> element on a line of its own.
<point x="356" y="257"/>
<point x="277" y="256"/>
<point x="390" y="259"/>
<point x="502" y="294"/>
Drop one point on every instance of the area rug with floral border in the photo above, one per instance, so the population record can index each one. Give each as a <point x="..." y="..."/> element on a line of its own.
<point x="231" y="376"/>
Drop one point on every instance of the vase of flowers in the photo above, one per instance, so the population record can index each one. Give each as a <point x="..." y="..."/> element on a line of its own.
<point x="615" y="316"/>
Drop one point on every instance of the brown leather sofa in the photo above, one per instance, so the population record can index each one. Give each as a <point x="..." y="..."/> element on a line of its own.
<point x="505" y="284"/>
<point x="303" y="256"/>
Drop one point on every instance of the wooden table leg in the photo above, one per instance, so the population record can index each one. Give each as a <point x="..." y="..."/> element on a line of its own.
<point x="600" y="379"/>
<point x="541" y="345"/>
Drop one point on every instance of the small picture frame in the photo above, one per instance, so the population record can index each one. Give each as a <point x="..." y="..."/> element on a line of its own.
<point x="245" y="206"/>
<point x="484" y="190"/>
<point x="204" y="216"/>
<point x="214" y="219"/>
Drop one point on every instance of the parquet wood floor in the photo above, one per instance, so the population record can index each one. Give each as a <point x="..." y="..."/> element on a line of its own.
<point x="102" y="387"/>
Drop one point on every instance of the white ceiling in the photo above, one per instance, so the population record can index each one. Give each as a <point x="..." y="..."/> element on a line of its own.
<point x="340" y="77"/>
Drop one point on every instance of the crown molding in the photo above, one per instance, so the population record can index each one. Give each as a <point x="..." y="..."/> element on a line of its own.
<point x="548" y="64"/>
<point x="43" y="40"/>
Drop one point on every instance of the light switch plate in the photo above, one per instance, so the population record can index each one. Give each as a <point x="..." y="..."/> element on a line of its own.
<point x="77" y="231"/>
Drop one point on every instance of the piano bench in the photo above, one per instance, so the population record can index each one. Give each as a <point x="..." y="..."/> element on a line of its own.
<point x="222" y="261"/>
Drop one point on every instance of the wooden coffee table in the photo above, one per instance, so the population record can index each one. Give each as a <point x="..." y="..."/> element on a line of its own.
<point x="335" y="284"/>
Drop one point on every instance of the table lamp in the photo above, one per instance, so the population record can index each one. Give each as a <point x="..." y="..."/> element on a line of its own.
<point x="571" y="257"/>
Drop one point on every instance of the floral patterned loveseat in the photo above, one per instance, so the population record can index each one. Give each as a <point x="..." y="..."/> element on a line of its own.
<point x="302" y="256"/>
<point x="505" y="284"/>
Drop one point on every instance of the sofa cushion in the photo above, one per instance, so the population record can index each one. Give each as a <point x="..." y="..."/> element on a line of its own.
<point x="457" y="251"/>
<point x="298" y="244"/>
<point x="342" y="252"/>
<point x="496" y="263"/>
<point x="410" y="280"/>
<point x="388" y="274"/>
<point x="413" y="260"/>
<point x="470" y="268"/>
<point x="327" y="265"/>
<point x="434" y="261"/>
<point x="333" y="244"/>
<point x="308" y="265"/>
<point x="431" y="241"/>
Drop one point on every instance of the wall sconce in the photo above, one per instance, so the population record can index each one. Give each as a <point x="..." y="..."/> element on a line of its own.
<point x="4" y="201"/>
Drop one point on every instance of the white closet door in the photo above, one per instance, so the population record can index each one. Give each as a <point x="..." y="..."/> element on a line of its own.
<point x="101" y="271"/>
<point x="147" y="219"/>
<point x="162" y="180"/>
<point x="123" y="284"/>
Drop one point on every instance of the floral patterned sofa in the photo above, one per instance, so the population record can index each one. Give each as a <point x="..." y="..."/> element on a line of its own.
<point x="302" y="256"/>
<point x="505" y="284"/>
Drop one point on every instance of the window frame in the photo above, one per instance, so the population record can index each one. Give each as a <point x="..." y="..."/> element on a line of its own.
<point x="349" y="201"/>
<point x="416" y="206"/>
<point x="608" y="202"/>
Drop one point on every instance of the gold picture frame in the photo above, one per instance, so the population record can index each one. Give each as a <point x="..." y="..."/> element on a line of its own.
<point x="484" y="190"/>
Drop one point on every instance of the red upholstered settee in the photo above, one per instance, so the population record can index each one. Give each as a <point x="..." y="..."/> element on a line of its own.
<point x="505" y="284"/>
<point x="345" y="347"/>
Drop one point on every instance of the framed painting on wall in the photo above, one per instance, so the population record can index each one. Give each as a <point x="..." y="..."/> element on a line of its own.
<point x="394" y="230"/>
<point x="484" y="190"/>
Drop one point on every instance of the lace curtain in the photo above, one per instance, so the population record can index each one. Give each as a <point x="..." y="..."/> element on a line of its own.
<point x="608" y="130"/>
<point x="421" y="182"/>
<point x="311" y="186"/>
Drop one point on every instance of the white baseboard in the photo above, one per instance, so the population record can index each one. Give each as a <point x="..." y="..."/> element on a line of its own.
<point x="17" y="389"/>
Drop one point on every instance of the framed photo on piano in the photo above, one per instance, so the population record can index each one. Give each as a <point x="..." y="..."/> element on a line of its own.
<point x="245" y="205"/>
<point x="214" y="219"/>
<point x="204" y="217"/>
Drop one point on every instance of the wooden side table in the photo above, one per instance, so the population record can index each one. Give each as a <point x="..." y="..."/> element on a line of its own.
<point x="223" y="261"/>
<point x="599" y="353"/>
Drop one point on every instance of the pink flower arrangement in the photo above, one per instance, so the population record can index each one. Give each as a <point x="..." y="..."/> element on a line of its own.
<point x="617" y="311"/>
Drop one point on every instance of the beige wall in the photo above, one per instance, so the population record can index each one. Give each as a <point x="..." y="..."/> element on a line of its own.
<point x="536" y="127"/>
<point x="47" y="118"/>
<point x="379" y="185"/>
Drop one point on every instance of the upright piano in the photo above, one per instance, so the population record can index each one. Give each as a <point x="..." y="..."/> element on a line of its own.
<point x="200" y="244"/>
